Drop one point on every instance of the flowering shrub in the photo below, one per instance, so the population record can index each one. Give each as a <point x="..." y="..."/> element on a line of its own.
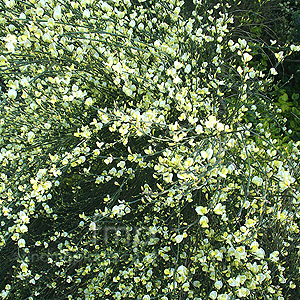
<point x="128" y="167"/>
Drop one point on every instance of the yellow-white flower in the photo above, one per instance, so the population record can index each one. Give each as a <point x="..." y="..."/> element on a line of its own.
<point x="218" y="284"/>
<point x="10" y="3"/>
<point x="105" y="6"/>
<point x="254" y="246"/>
<point x="93" y="226"/>
<point x="189" y="161"/>
<point x="279" y="56"/>
<point x="285" y="179"/>
<point x="30" y="136"/>
<point x="219" y="209"/>
<point x="207" y="154"/>
<point x="273" y="71"/>
<point x="247" y="57"/>
<point x="242" y="42"/>
<point x="260" y="253"/>
<point x="23" y="228"/>
<point x="86" y="13"/>
<point x="274" y="256"/>
<point x="178" y="65"/>
<point x="39" y="11"/>
<point x="257" y="180"/>
<point x="295" y="48"/>
<point x="50" y="22"/>
<point x="57" y="13"/>
<point x="177" y="80"/>
<point x="2" y="187"/>
<point x="179" y="238"/>
<point x="24" y="267"/>
<point x="213" y="295"/>
<point x="188" y="68"/>
<point x="182" y="270"/>
<point x="199" y="129"/>
<point x="47" y="37"/>
<point x="12" y="93"/>
<point x="186" y="286"/>
<point x="211" y="122"/>
<point x="243" y="292"/>
<point x="23" y="217"/>
<point x="21" y="243"/>
<point x="201" y="210"/>
<point x="204" y="222"/>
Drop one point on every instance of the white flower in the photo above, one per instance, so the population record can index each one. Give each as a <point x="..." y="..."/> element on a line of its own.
<point x="50" y="22"/>
<point x="279" y="56"/>
<point x="24" y="267"/>
<point x="178" y="65"/>
<point x="211" y="122"/>
<point x="23" y="228"/>
<point x="21" y="243"/>
<point x="207" y="154"/>
<point x="201" y="210"/>
<point x="213" y="295"/>
<point x="86" y="13"/>
<point x="2" y="187"/>
<point x="186" y="287"/>
<point x="232" y="282"/>
<point x="231" y="143"/>
<point x="57" y="12"/>
<point x="23" y="217"/>
<point x="30" y="136"/>
<point x="179" y="238"/>
<point x="295" y="48"/>
<point x="141" y="26"/>
<point x="47" y="37"/>
<point x="218" y="284"/>
<point x="105" y="6"/>
<point x="260" y="253"/>
<point x="220" y="126"/>
<point x="188" y="68"/>
<point x="39" y="11"/>
<point x="47" y="125"/>
<point x="247" y="57"/>
<point x="274" y="256"/>
<point x="12" y="93"/>
<point x="243" y="292"/>
<point x="243" y="43"/>
<point x="177" y="80"/>
<point x="89" y="101"/>
<point x="127" y="91"/>
<point x="10" y="3"/>
<point x="132" y="23"/>
<point x="257" y="180"/>
<point x="219" y="209"/>
<point x="285" y="179"/>
<point x="182" y="270"/>
<point x="273" y="71"/>
<point x="204" y="222"/>
<point x="93" y="226"/>
<point x="199" y="129"/>
<point x="157" y="43"/>
<point x="189" y="161"/>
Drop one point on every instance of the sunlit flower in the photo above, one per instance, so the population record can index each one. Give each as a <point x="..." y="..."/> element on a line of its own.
<point x="21" y="243"/>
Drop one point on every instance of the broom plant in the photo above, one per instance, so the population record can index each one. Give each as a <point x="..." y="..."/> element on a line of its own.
<point x="136" y="162"/>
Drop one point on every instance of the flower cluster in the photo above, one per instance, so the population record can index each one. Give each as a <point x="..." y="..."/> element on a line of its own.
<point x="128" y="167"/>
